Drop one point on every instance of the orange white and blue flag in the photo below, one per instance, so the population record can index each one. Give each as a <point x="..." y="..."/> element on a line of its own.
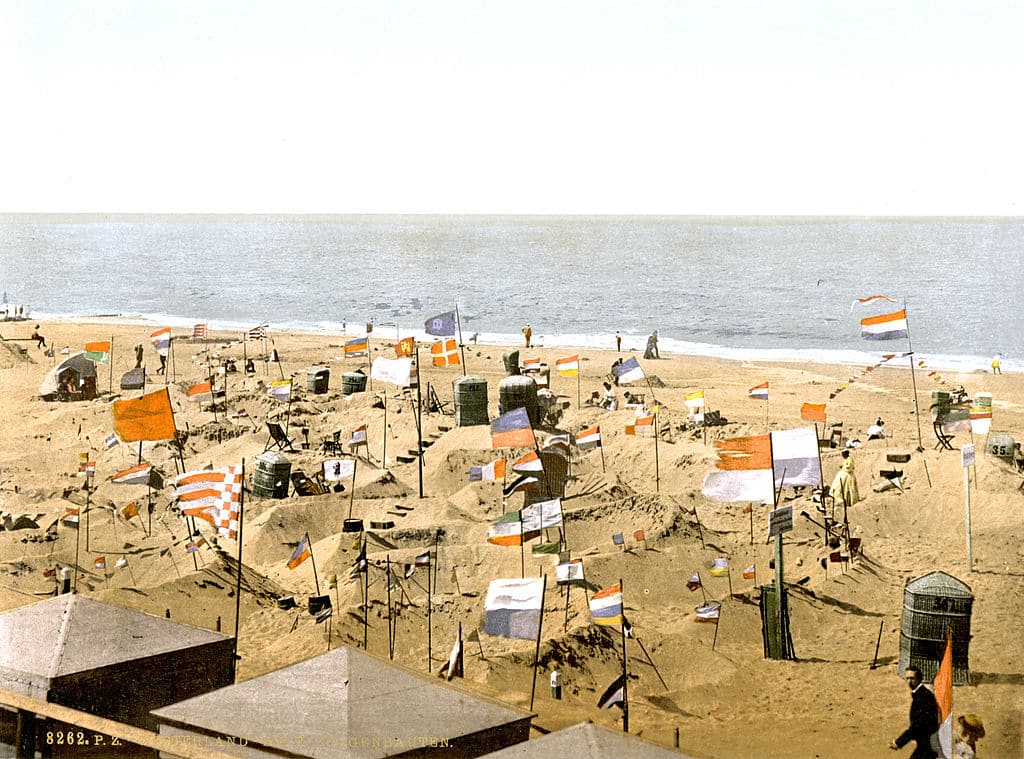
<point x="745" y="466"/>
<point x="606" y="606"/>
<point x="161" y="339"/>
<point x="529" y="463"/>
<point x="137" y="475"/>
<point x="513" y="429"/>
<point x="869" y="300"/>
<point x="589" y="438"/>
<point x="884" y="326"/>
<point x="358" y="347"/>
<point x="201" y="392"/>
<point x="300" y="554"/>
<point x="488" y="472"/>
<point x="760" y="392"/>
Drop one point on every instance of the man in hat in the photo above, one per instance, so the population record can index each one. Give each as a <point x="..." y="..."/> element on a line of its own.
<point x="924" y="717"/>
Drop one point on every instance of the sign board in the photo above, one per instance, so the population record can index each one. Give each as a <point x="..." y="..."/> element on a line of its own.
<point x="780" y="520"/>
<point x="967" y="455"/>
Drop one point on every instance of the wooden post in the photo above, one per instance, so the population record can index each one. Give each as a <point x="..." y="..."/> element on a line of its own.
<point x="536" y="651"/>
<point x="625" y="666"/>
<point x="238" y="580"/>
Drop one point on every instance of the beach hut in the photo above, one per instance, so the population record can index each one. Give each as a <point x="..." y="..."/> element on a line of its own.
<point x="587" y="741"/>
<point x="106" y="660"/>
<point x="347" y="703"/>
<point x="75" y="372"/>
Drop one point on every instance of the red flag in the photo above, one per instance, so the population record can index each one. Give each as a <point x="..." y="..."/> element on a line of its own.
<point x="147" y="418"/>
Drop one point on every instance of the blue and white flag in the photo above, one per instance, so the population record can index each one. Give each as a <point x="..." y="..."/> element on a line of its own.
<point x="112" y="440"/>
<point x="442" y="325"/>
<point x="628" y="371"/>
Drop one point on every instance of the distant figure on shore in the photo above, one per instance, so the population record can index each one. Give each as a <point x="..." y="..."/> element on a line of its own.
<point x="652" y="346"/>
<point x="138" y="355"/>
<point x="924" y="717"/>
<point x="40" y="340"/>
<point x="995" y="365"/>
<point x="844" y="487"/>
<point x="163" y="363"/>
<point x="528" y="334"/>
<point x="618" y="341"/>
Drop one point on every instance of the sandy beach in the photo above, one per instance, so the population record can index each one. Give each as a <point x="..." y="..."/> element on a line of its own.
<point x="726" y="701"/>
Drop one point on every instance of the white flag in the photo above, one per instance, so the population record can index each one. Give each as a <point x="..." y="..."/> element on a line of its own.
<point x="338" y="469"/>
<point x="397" y="371"/>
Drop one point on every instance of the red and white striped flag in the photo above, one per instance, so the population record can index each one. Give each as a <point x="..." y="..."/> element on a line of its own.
<point x="199" y="331"/>
<point x="212" y="495"/>
<point x="257" y="333"/>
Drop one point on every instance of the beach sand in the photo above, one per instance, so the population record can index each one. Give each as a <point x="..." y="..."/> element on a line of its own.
<point x="726" y="701"/>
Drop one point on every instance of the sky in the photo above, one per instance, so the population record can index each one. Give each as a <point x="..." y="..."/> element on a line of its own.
<point x="382" y="106"/>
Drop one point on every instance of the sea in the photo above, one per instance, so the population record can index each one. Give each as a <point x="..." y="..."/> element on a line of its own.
<point x="747" y="288"/>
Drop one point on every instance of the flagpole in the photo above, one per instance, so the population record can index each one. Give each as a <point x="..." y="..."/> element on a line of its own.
<point x="430" y="606"/>
<point x="522" y="547"/>
<point x="779" y="589"/>
<point x="88" y="509"/>
<point x="110" y="369"/>
<point x="366" y="599"/>
<point x="78" y="540"/>
<point x="352" y="493"/>
<point x="391" y="640"/>
<point x="657" y="470"/>
<point x="625" y="669"/>
<point x="578" y="403"/>
<point x="419" y="417"/>
<point x="536" y="651"/>
<point x="238" y="580"/>
<point x="913" y="377"/>
<point x="191" y="526"/>
<point x="600" y="444"/>
<point x="718" y="622"/>
<point x="384" y="449"/>
<point x="462" y="348"/>
<point x="316" y="580"/>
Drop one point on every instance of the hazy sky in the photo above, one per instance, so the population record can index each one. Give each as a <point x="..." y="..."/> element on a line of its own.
<point x="427" y="106"/>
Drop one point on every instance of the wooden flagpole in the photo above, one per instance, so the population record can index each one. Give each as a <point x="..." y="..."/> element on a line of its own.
<point x="110" y="368"/>
<point x="536" y="651"/>
<point x="419" y="417"/>
<point x="316" y="580"/>
<point x="366" y="598"/>
<point x="430" y="606"/>
<point x="391" y="639"/>
<point x="462" y="348"/>
<point x="657" y="470"/>
<point x="625" y="668"/>
<point x="238" y="579"/>
<point x="913" y="378"/>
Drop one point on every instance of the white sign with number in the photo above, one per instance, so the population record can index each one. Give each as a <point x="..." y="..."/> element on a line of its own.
<point x="967" y="455"/>
<point x="780" y="520"/>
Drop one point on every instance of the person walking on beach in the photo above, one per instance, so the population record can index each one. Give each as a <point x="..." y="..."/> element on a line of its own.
<point x="995" y="365"/>
<point x="528" y="334"/>
<point x="138" y="355"/>
<point x="924" y="717"/>
<point x="618" y="342"/>
<point x="844" y="487"/>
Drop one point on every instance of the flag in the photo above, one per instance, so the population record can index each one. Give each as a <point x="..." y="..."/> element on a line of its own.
<point x="101" y="562"/>
<point x="360" y="565"/>
<point x="51" y="572"/>
<point x="257" y="333"/>
<point x="884" y="326"/>
<point x="121" y="563"/>
<point x="147" y="418"/>
<point x="589" y="438"/>
<point x="513" y="608"/>
<point x="694" y="582"/>
<point x="709" y="612"/>
<point x="281" y="389"/>
<point x="509" y="530"/>
<point x="943" y="687"/>
<point x="640" y="535"/>
<point x="445" y="353"/>
<point x="422" y="560"/>
<point x="405" y="347"/>
<point x="981" y="419"/>
<point x="720" y="567"/>
<point x="760" y="392"/>
<point x="568" y="366"/>
<point x="112" y="441"/>
<point x="70" y="518"/>
<point x="870" y="299"/>
<point x="130" y="511"/>
<point x="441" y="325"/>
<point x="743" y="471"/>
<point x="750" y="573"/>
<point x="813" y="412"/>
<point x="88" y="468"/>
<point x="628" y="371"/>
<point x="614" y="694"/>
<point x="301" y="553"/>
<point x="606" y="606"/>
<point x="193" y="547"/>
<point x="358" y="347"/>
<point x="488" y="472"/>
<point x="325" y="613"/>
<point x="453" y="667"/>
<point x="161" y="339"/>
<point x="559" y="444"/>
<point x="522" y="482"/>
<point x="98" y="352"/>
<point x="397" y="371"/>
<point x="338" y="469"/>
<point x="542" y="515"/>
<point x="545" y="549"/>
<point x="358" y="437"/>
<point x="694" y="399"/>
<point x="570" y="572"/>
<point x="199" y="331"/>
<point x="531" y="363"/>
<point x="512" y="429"/>
<point x="618" y="539"/>
<point x="644" y="425"/>
<point x="201" y="392"/>
<point x="212" y="495"/>
<point x="529" y="463"/>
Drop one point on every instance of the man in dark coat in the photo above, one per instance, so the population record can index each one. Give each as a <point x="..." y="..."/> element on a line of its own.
<point x="924" y="717"/>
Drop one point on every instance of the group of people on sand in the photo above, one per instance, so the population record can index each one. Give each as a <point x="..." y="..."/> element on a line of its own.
<point x="924" y="725"/>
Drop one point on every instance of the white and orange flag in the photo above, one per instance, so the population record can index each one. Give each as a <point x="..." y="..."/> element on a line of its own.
<point x="445" y="352"/>
<point x="744" y="468"/>
<point x="213" y="495"/>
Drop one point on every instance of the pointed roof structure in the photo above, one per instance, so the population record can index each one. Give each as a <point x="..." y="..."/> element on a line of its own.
<point x="587" y="741"/>
<point x="46" y="641"/>
<point x="346" y="703"/>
